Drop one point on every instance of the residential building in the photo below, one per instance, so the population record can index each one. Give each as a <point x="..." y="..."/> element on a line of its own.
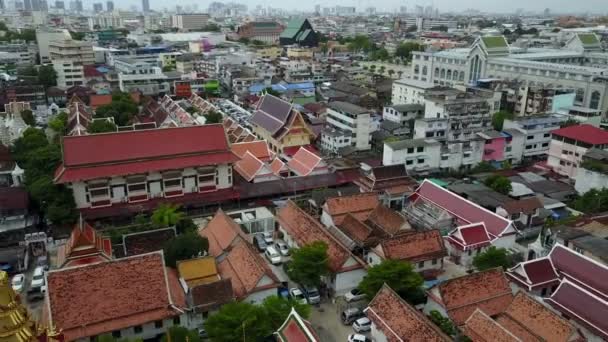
<point x="299" y="32"/>
<point x="69" y="58"/>
<point x="391" y="182"/>
<point x="536" y="131"/>
<point x="299" y="229"/>
<point x="192" y="22"/>
<point x="18" y="52"/>
<point x="591" y="173"/>
<point x="351" y="119"/>
<point x="188" y="169"/>
<point x="502" y="146"/>
<point x="160" y="299"/>
<point x="417" y="154"/>
<point x="393" y="319"/>
<point x="458" y="298"/>
<point x="44" y="37"/>
<point x="142" y="76"/>
<point x="524" y="212"/>
<point x="407" y="91"/>
<point x="403" y="113"/>
<point x="264" y="31"/>
<point x="424" y="250"/>
<point x="569" y="144"/>
<point x="280" y="124"/>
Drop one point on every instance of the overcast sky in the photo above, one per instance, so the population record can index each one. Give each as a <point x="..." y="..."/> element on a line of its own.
<point x="503" y="6"/>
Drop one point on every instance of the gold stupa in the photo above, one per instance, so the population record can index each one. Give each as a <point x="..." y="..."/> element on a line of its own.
<point x="16" y="324"/>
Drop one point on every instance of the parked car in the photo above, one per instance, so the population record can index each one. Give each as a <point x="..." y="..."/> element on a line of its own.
<point x="18" y="282"/>
<point x="43" y="261"/>
<point x="268" y="238"/>
<point x="312" y="294"/>
<point x="259" y="243"/>
<point x="354" y="295"/>
<point x="202" y="333"/>
<point x="282" y="248"/>
<point x="363" y="324"/>
<point x="350" y="315"/>
<point x="38" y="278"/>
<point x="272" y="255"/>
<point x="297" y="295"/>
<point x="358" y="338"/>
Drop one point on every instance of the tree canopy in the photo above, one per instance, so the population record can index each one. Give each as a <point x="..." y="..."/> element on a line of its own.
<point x="404" y="50"/>
<point x="309" y="263"/>
<point x="47" y="76"/>
<point x="178" y="333"/>
<point x="278" y="308"/>
<point x="498" y="119"/>
<point x="484" y="166"/>
<point x="213" y="117"/>
<point x="122" y="109"/>
<point x="491" y="258"/>
<point x="398" y="275"/>
<point x="101" y="126"/>
<point x="444" y="323"/>
<point x="499" y="184"/>
<point x="183" y="247"/>
<point x="592" y="201"/>
<point x="167" y="214"/>
<point x="28" y="117"/>
<point x="59" y="123"/>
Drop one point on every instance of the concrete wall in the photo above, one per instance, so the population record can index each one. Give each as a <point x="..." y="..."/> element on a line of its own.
<point x="586" y="180"/>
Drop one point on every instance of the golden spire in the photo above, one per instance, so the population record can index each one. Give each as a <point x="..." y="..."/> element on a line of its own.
<point x="15" y="323"/>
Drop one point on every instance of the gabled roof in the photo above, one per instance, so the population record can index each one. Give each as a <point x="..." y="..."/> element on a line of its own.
<point x="588" y="39"/>
<point x="258" y="148"/>
<point x="221" y="232"/>
<point x="470" y="236"/>
<point x="388" y="220"/>
<point x="304" y="162"/>
<point x="84" y="246"/>
<point x="98" y="298"/>
<point x="482" y="328"/>
<point x="277" y="166"/>
<point x="413" y="247"/>
<point x="209" y="296"/>
<point x="526" y="205"/>
<point x="585" y="133"/>
<point x="249" y="166"/>
<point x="121" y="153"/>
<point x="487" y="290"/>
<point x="100" y="100"/>
<point x="146" y="242"/>
<point x="304" y="229"/>
<point x="495" y="42"/>
<point x="356" y="230"/>
<point x="466" y="211"/>
<point x="296" y="329"/>
<point x="399" y="321"/>
<point x="293" y="27"/>
<point x="359" y="205"/>
<point x="272" y="113"/>
<point x="198" y="271"/>
<point x="534" y="273"/>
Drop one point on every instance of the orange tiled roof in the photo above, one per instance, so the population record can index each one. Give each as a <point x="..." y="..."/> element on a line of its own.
<point x="414" y="247"/>
<point x="399" y="321"/>
<point x="99" y="298"/>
<point x="482" y="328"/>
<point x="304" y="162"/>
<point x="359" y="205"/>
<point x="100" y="100"/>
<point x="304" y="229"/>
<point x="355" y="229"/>
<point x="249" y="166"/>
<point x="258" y="148"/>
<point x="221" y="232"/>
<point x="85" y="245"/>
<point x="388" y="220"/>
<point x="277" y="166"/>
<point x="487" y="290"/>
<point x="245" y="268"/>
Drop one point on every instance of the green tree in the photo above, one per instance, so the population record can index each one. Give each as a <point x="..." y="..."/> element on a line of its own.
<point x="168" y="68"/>
<point x="122" y="109"/>
<point x="506" y="165"/>
<point x="498" y="119"/>
<point x="77" y="35"/>
<point x="404" y="50"/>
<point x="185" y="225"/>
<point x="379" y="54"/>
<point x="101" y="126"/>
<point x="167" y="215"/>
<point x="269" y="90"/>
<point x="183" y="247"/>
<point x="177" y="334"/>
<point x="309" y="263"/>
<point x="592" y="201"/>
<point x="47" y="76"/>
<point x="491" y="258"/>
<point x="444" y="323"/>
<point x="278" y="308"/>
<point x="398" y="275"/>
<point x="29" y="70"/>
<point x="569" y="122"/>
<point x="213" y="117"/>
<point x="238" y="321"/>
<point x="28" y="117"/>
<point x="499" y="184"/>
<point x="59" y="123"/>
<point x="484" y="166"/>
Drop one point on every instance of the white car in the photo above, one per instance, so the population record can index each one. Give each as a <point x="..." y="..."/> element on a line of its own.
<point x="354" y="295"/>
<point x="272" y="255"/>
<point x="38" y="277"/>
<point x="268" y="238"/>
<point x="18" y="282"/>
<point x="298" y="295"/>
<point x="358" y="338"/>
<point x="282" y="247"/>
<point x="363" y="324"/>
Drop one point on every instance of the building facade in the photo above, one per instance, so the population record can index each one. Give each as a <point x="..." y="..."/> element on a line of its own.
<point x="351" y="119"/>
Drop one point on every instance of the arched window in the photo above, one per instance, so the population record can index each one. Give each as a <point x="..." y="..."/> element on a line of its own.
<point x="449" y="75"/>
<point x="594" y="103"/>
<point x="442" y="73"/>
<point x="461" y="78"/>
<point x="436" y="72"/>
<point x="580" y="95"/>
<point x="416" y="69"/>
<point x="424" y="70"/>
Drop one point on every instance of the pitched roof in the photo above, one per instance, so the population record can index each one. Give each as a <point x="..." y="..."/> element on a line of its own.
<point x="487" y="290"/>
<point x="387" y="220"/>
<point x="98" y="298"/>
<point x="304" y="162"/>
<point x="585" y="133"/>
<point x="84" y="246"/>
<point x="14" y="198"/>
<point x="210" y="296"/>
<point x="588" y="38"/>
<point x="359" y="205"/>
<point x="356" y="230"/>
<point x="198" y="271"/>
<point x="293" y="27"/>
<point x="304" y="229"/>
<point x="399" y="321"/>
<point x="580" y="269"/>
<point x="221" y="231"/>
<point x="100" y="100"/>
<point x="246" y="269"/>
<point x="482" y="328"/>
<point x="470" y="236"/>
<point x="121" y="153"/>
<point x="467" y="211"/>
<point x="493" y="42"/>
<point x="414" y="247"/>
<point x="296" y="329"/>
<point x="277" y="166"/>
<point x="249" y="166"/>
<point x="258" y="148"/>
<point x="272" y="113"/>
<point x="146" y="242"/>
<point x="526" y="205"/>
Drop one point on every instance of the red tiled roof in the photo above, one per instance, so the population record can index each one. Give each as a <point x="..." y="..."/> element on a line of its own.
<point x="487" y="290"/>
<point x="296" y="329"/>
<point x="355" y="229"/>
<point x="482" y="328"/>
<point x="84" y="246"/>
<point x="398" y="321"/>
<point x="304" y="162"/>
<point x="99" y="298"/>
<point x="388" y="220"/>
<point x="221" y="232"/>
<point x="359" y="205"/>
<point x="146" y="242"/>
<point x="100" y="100"/>
<point x="91" y="71"/>
<point x="585" y="133"/>
<point x="277" y="166"/>
<point x="304" y="229"/>
<point x="462" y="208"/>
<point x="526" y="205"/>
<point x="582" y="306"/>
<point x="249" y="166"/>
<point x="246" y="269"/>
<point x="534" y="272"/>
<point x="258" y="148"/>
<point x="469" y="236"/>
<point x="580" y="269"/>
<point x="414" y="247"/>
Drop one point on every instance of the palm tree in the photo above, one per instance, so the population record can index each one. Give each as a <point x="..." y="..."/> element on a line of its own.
<point x="167" y="215"/>
<point x="382" y="68"/>
<point x="399" y="73"/>
<point x="391" y="72"/>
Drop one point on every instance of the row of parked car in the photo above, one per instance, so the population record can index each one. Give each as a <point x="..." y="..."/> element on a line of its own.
<point x="273" y="250"/>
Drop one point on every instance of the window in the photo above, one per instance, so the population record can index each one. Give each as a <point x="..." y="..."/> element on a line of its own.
<point x="421" y="264"/>
<point x="562" y="163"/>
<point x="158" y="324"/>
<point x="444" y="157"/>
<point x="530" y="137"/>
<point x="546" y="135"/>
<point x="545" y="145"/>
<point x="508" y="149"/>
<point x="176" y="320"/>
<point x="409" y="162"/>
<point x="116" y="334"/>
<point x="434" y="262"/>
<point x="470" y="252"/>
<point x="138" y="329"/>
<point x="410" y="150"/>
<point x="420" y="149"/>
<point x="420" y="160"/>
<point x="543" y="293"/>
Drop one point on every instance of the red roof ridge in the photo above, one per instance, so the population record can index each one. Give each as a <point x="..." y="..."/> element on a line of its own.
<point x="585" y="133"/>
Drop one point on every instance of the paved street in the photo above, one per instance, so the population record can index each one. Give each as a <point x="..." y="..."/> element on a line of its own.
<point x="326" y="321"/>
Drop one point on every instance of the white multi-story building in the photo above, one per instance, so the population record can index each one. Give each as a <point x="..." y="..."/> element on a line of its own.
<point x="415" y="154"/>
<point x="569" y="145"/>
<point x="190" y="21"/>
<point x="68" y="58"/>
<point x="577" y="66"/>
<point x="136" y="75"/>
<point x="353" y="119"/>
<point x="18" y="52"/>
<point x="45" y="37"/>
<point x="403" y="113"/>
<point x="537" y="132"/>
<point x="409" y="91"/>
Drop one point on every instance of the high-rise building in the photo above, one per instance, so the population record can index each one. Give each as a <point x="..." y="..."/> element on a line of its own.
<point x="27" y="5"/>
<point x="403" y="9"/>
<point x="60" y="5"/>
<point x="76" y="6"/>
<point x="109" y="6"/>
<point x="97" y="7"/>
<point x="145" y="5"/>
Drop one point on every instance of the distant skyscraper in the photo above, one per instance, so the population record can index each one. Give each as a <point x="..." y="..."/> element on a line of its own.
<point x="547" y="12"/>
<point x="27" y="5"/>
<point x="145" y="5"/>
<point x="317" y="9"/>
<point x="109" y="6"/>
<point x="403" y="9"/>
<point x="419" y="11"/>
<point x="97" y="7"/>
<point x="18" y="5"/>
<point x="60" y="5"/>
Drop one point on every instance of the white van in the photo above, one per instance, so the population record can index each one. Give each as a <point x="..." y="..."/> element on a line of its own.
<point x="272" y="255"/>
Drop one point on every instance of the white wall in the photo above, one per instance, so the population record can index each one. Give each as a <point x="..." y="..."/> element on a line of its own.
<point x="347" y="281"/>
